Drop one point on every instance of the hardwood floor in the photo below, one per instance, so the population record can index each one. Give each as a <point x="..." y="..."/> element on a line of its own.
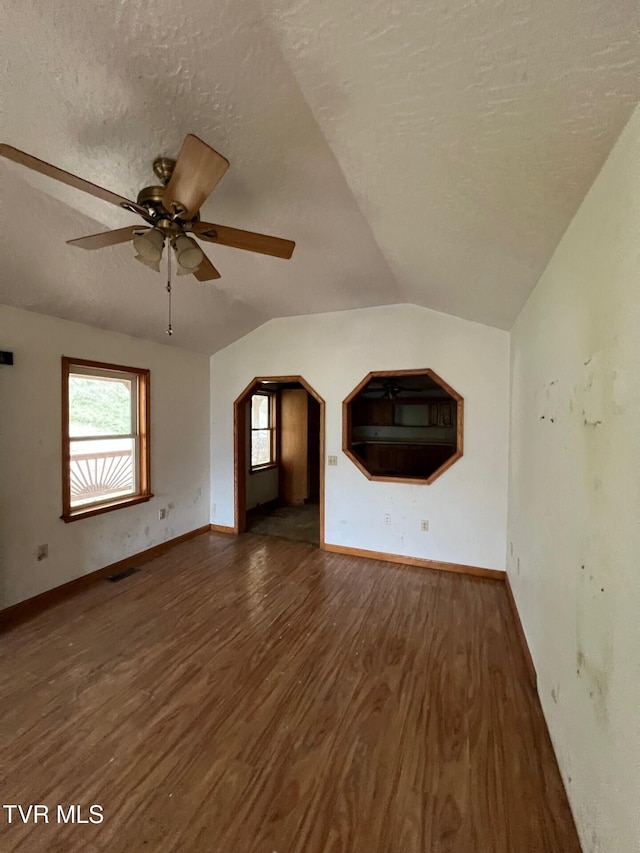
<point x="253" y="695"/>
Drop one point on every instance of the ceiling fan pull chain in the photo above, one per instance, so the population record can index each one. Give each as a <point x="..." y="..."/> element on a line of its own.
<point x="169" y="329"/>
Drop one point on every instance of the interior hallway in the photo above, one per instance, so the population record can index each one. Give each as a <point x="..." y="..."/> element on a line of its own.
<point x="295" y="523"/>
<point x="252" y="694"/>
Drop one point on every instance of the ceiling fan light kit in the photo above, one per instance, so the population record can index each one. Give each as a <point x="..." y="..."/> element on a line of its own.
<point x="172" y="210"/>
<point x="188" y="254"/>
<point x="154" y="265"/>
<point x="185" y="271"/>
<point x="149" y="244"/>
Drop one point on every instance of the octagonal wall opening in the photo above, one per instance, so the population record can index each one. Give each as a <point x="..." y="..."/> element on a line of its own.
<point x="403" y="426"/>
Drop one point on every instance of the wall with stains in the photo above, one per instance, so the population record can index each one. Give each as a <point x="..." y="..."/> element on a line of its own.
<point x="574" y="499"/>
<point x="31" y="453"/>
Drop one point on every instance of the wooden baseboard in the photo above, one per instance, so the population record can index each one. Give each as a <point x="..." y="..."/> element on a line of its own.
<point x="459" y="568"/>
<point x="24" y="610"/>
<point x="531" y="668"/>
<point x="222" y="528"/>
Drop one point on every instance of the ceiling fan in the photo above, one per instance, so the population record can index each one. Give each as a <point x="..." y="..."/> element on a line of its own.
<point x="171" y="210"/>
<point x="389" y="389"/>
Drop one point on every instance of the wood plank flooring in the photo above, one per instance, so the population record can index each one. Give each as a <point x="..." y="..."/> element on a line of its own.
<point x="252" y="695"/>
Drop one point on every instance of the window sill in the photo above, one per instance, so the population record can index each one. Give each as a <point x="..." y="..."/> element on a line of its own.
<point x="98" y="509"/>
<point x="260" y="468"/>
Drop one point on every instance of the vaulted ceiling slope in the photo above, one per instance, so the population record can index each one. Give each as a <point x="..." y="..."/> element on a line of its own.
<point x="426" y="152"/>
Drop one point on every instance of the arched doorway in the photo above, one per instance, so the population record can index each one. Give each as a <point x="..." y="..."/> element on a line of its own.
<point x="259" y="443"/>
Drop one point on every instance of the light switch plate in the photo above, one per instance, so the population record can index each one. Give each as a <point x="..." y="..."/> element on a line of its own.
<point x="333" y="460"/>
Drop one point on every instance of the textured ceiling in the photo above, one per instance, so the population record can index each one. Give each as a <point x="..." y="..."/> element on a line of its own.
<point x="416" y="152"/>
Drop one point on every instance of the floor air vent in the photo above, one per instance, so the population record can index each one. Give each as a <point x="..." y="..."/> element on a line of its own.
<point x="125" y="573"/>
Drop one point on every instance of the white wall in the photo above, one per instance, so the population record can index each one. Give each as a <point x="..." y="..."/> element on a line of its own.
<point x="262" y="487"/>
<point x="574" y="500"/>
<point x="30" y="453"/>
<point x="466" y="507"/>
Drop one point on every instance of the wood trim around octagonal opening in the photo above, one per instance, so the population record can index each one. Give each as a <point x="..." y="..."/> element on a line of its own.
<point x="347" y="425"/>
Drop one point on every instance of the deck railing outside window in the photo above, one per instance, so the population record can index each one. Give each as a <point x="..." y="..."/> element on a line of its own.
<point x="99" y="475"/>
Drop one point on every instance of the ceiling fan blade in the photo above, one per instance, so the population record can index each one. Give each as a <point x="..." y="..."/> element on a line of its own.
<point x="198" y="170"/>
<point x="248" y="240"/>
<point x="206" y="271"/>
<point x="106" y="238"/>
<point x="57" y="174"/>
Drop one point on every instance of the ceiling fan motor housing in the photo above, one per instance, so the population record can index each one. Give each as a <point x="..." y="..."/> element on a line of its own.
<point x="163" y="168"/>
<point x="152" y="198"/>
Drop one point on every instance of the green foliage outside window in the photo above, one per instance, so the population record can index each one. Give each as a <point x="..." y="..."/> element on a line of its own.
<point x="99" y="406"/>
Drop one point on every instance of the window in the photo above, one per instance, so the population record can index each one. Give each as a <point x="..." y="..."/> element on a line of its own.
<point x="105" y="437"/>
<point x="263" y="444"/>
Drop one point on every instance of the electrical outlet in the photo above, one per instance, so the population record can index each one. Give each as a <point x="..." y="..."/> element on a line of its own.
<point x="387" y="518"/>
<point x="332" y="460"/>
<point x="424" y="525"/>
<point x="42" y="552"/>
<point x="162" y="514"/>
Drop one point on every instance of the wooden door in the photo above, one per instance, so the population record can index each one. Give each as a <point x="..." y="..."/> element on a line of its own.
<point x="294" y="466"/>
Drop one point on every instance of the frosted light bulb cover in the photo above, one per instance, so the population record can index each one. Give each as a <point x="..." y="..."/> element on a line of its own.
<point x="188" y="254"/>
<point x="155" y="265"/>
<point x="149" y="245"/>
